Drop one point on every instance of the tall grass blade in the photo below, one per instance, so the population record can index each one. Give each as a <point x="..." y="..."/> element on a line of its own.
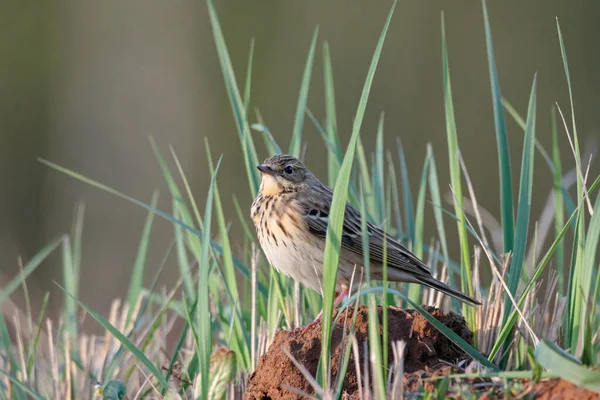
<point x="203" y="317"/>
<point x="506" y="329"/>
<point x="588" y="301"/>
<point x="524" y="206"/>
<point x="506" y="195"/>
<point x="296" y="142"/>
<point x="574" y="305"/>
<point x="409" y="213"/>
<point x="378" y="176"/>
<point x="335" y="155"/>
<point x="436" y="201"/>
<point x="248" y="86"/>
<point x="237" y="104"/>
<point x="139" y="267"/>
<point x="559" y="217"/>
<point x="415" y="292"/>
<point x="455" y="180"/>
<point x="338" y="208"/>
<point x="241" y="344"/>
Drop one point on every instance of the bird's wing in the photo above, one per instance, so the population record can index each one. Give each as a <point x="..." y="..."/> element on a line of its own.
<point x="316" y="215"/>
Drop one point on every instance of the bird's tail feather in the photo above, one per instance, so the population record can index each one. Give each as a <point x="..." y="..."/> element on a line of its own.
<point x="442" y="287"/>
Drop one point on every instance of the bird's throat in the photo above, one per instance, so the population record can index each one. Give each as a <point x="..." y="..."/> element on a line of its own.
<point x="269" y="186"/>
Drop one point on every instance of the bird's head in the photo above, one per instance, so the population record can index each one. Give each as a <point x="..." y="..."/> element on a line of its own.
<point x="282" y="173"/>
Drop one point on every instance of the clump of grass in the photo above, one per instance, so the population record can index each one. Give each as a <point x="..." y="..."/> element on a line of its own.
<point x="232" y="304"/>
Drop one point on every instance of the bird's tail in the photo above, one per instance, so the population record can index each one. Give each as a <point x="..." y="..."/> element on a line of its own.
<point x="433" y="283"/>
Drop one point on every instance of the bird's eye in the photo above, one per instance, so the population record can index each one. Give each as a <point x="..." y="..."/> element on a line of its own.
<point x="288" y="170"/>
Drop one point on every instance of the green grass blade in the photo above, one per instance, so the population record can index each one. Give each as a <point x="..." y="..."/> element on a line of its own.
<point x="296" y="142"/>
<point x="338" y="208"/>
<point x="248" y="86"/>
<point x="242" y="346"/>
<point x="139" y="266"/>
<point x="237" y="105"/>
<point x="34" y="346"/>
<point x="394" y="194"/>
<point x="512" y="318"/>
<point x="364" y="176"/>
<point x="72" y="250"/>
<point x="524" y="206"/>
<point x="554" y="359"/>
<point x="122" y="339"/>
<point x="21" y="385"/>
<point x="436" y="201"/>
<point x="415" y="292"/>
<point x="375" y="346"/>
<point x="573" y="315"/>
<point x="559" y="217"/>
<point x="506" y="195"/>
<point x="378" y="176"/>
<point x="409" y="214"/>
<point x="455" y="180"/>
<point x="551" y="162"/>
<point x="31" y="266"/>
<point x="69" y="279"/>
<point x="587" y="280"/>
<point x="270" y="143"/>
<point x="333" y="157"/>
<point x="239" y="265"/>
<point x="203" y="317"/>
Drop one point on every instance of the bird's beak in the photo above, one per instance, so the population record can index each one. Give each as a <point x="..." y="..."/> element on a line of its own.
<point x="266" y="169"/>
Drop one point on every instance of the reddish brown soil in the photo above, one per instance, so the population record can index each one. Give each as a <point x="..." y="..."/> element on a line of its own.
<point x="558" y="389"/>
<point x="427" y="354"/>
<point x="426" y="348"/>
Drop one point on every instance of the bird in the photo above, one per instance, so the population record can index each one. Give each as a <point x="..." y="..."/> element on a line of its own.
<point x="291" y="217"/>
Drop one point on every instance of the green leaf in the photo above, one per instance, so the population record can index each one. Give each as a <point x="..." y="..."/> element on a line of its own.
<point x="557" y="361"/>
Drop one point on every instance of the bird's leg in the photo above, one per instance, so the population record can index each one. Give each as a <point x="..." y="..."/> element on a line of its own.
<point x="336" y="302"/>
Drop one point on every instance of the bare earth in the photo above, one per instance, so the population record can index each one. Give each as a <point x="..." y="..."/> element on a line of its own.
<point x="428" y="353"/>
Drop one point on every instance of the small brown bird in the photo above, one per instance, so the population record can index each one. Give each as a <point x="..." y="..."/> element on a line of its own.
<point x="291" y="214"/>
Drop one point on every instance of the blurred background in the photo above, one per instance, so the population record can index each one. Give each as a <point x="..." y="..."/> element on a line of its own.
<point x="84" y="84"/>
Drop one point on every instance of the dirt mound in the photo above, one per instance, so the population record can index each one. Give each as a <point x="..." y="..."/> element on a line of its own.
<point x="426" y="348"/>
<point x="425" y="353"/>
